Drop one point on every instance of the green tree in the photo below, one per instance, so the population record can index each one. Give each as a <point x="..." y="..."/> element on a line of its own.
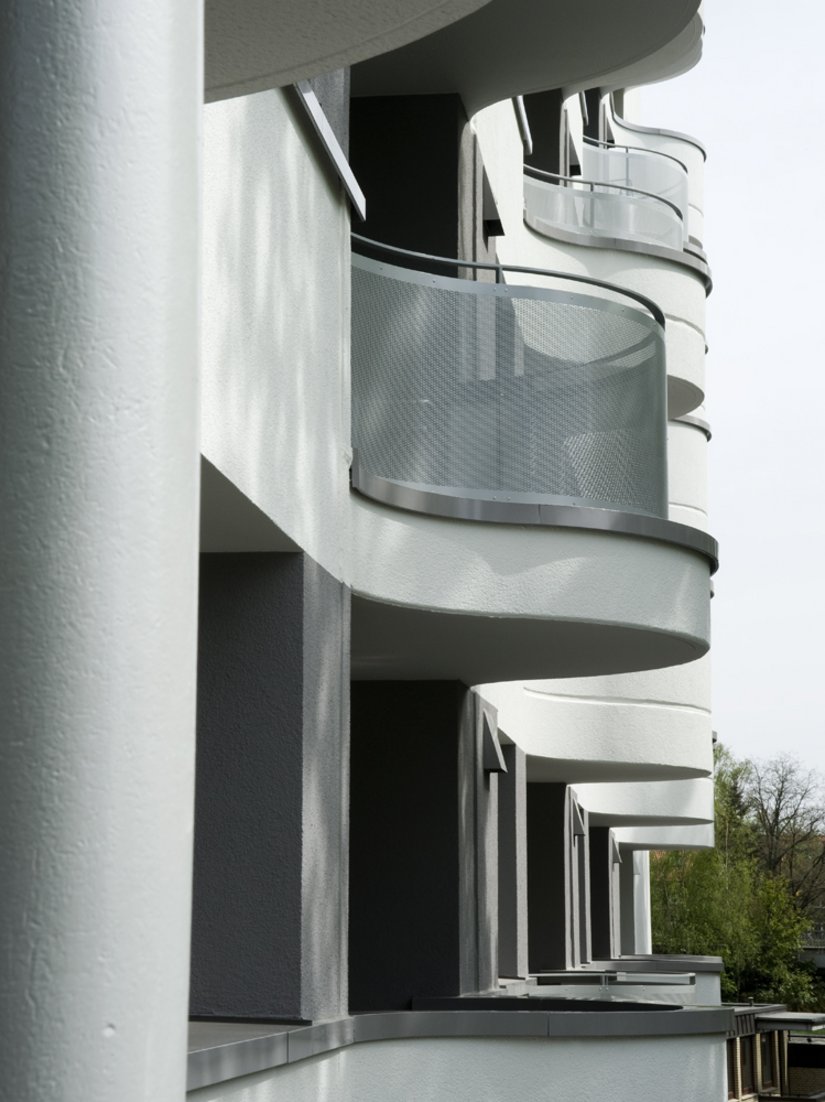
<point x="725" y="902"/>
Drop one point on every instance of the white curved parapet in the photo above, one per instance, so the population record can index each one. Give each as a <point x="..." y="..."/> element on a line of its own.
<point x="656" y="803"/>
<point x="687" y="458"/>
<point x="252" y="45"/>
<point x="652" y="725"/>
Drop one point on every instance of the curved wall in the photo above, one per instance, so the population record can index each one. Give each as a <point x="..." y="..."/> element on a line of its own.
<point x="624" y="1069"/>
<point x="687" y="458"/>
<point x="658" y="803"/>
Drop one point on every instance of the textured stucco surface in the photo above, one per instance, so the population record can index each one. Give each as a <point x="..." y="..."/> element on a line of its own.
<point x="687" y="461"/>
<point x="622" y="1069"/>
<point x="98" y="422"/>
<point x="650" y="725"/>
<point x="275" y="405"/>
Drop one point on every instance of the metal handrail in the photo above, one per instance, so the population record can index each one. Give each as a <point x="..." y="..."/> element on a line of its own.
<point x="635" y="149"/>
<point x="499" y="269"/>
<point x="540" y="173"/>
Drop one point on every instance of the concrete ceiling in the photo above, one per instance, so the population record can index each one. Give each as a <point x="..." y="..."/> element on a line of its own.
<point x="513" y="47"/>
<point x="252" y="45"/>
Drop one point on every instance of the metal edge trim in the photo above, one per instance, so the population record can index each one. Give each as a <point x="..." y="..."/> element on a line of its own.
<point x="237" y="1059"/>
<point x="570" y="237"/>
<point x="548" y="515"/>
<point x="697" y="422"/>
<point x="338" y="158"/>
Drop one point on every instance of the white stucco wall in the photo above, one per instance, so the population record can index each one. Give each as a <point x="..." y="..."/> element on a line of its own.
<point x="275" y="403"/>
<point x="684" y="1069"/>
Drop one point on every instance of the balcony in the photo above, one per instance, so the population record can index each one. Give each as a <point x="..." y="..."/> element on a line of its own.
<point x="506" y="428"/>
<point x="492" y="400"/>
<point x="601" y="210"/>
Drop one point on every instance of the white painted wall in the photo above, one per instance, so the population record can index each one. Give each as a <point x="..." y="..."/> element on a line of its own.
<point x="693" y="836"/>
<point x="686" y="1069"/>
<point x="275" y="403"/>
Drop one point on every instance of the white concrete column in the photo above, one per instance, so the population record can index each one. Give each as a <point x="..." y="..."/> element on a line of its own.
<point x="99" y="110"/>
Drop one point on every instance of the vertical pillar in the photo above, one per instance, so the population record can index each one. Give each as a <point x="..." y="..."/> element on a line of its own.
<point x="634" y="895"/>
<point x="269" y="917"/>
<point x="512" y="864"/>
<point x="98" y="429"/>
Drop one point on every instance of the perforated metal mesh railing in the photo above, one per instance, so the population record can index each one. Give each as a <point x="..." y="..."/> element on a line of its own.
<point x="600" y="210"/>
<point x="506" y="392"/>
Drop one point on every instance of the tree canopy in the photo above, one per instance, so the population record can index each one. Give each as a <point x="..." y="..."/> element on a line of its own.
<point x="751" y="898"/>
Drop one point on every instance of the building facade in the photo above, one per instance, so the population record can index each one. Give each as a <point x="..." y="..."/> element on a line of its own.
<point x="358" y="563"/>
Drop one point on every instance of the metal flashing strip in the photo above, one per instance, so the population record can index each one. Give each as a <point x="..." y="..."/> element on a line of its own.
<point x="338" y="158"/>
<point x="549" y="515"/>
<point x="696" y="422"/>
<point x="676" y="256"/>
<point x="277" y="1045"/>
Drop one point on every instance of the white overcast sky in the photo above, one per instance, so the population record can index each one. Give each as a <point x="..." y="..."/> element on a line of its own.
<point x="755" y="102"/>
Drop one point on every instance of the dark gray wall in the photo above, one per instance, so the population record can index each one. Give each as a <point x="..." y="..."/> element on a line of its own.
<point x="549" y="904"/>
<point x="423" y="862"/>
<point x="601" y="895"/>
<point x="544" y="116"/>
<point x="404" y="151"/>
<point x="269" y="906"/>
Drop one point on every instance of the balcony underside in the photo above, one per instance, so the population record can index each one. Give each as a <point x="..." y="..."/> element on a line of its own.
<point x="252" y="45"/>
<point x="512" y="47"/>
<point x="657" y="804"/>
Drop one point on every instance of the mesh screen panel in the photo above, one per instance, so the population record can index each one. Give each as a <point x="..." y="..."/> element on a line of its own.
<point x="508" y="393"/>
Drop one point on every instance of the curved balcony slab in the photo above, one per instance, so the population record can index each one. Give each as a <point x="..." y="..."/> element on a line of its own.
<point x="252" y="45"/>
<point x="676" y="57"/>
<point x="656" y="803"/>
<point x="642" y="726"/>
<point x="699" y="836"/>
<point x="494" y="602"/>
<point x="513" y="47"/>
